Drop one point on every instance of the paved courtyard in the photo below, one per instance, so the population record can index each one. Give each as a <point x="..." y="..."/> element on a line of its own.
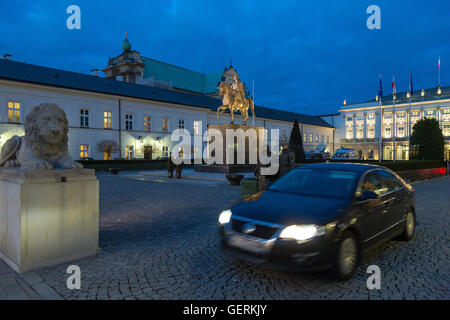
<point x="158" y="239"/>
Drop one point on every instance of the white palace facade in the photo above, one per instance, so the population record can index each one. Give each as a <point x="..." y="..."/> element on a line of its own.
<point x="384" y="127"/>
<point x="121" y="116"/>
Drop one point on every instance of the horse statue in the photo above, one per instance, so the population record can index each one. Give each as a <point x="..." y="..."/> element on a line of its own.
<point x="234" y="100"/>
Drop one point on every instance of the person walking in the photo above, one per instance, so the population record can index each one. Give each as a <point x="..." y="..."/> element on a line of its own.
<point x="170" y="167"/>
<point x="287" y="160"/>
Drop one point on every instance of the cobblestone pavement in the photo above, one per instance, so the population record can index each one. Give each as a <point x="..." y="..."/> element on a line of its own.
<point x="159" y="241"/>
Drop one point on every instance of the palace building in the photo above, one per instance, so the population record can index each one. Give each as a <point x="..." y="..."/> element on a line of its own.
<point x="383" y="126"/>
<point x="131" y="112"/>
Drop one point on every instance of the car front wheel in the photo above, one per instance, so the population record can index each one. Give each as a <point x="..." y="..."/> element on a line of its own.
<point x="347" y="257"/>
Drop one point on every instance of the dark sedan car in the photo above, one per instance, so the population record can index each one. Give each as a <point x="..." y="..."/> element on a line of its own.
<point x="320" y="216"/>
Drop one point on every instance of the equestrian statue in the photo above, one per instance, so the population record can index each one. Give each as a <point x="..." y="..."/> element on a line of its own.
<point x="233" y="98"/>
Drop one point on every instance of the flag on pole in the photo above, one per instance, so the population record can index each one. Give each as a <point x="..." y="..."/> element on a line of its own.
<point x="410" y="84"/>
<point x="380" y="90"/>
<point x="439" y="71"/>
<point x="394" y="91"/>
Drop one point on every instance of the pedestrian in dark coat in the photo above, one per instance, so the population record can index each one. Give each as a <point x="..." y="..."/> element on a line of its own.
<point x="170" y="167"/>
<point x="287" y="160"/>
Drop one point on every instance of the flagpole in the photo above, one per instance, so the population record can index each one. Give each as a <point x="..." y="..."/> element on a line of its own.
<point x="408" y="119"/>
<point x="380" y="140"/>
<point x="439" y="72"/>
<point x="394" y="131"/>
<point x="253" y="85"/>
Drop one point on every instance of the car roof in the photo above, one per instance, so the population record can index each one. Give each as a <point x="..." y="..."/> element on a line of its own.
<point x="347" y="166"/>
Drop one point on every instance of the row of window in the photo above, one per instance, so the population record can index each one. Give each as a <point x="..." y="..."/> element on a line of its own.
<point x="401" y="132"/>
<point x="400" y="115"/>
<point x="14" y="117"/>
<point x="129" y="122"/>
<point x="315" y="138"/>
<point x="107" y="154"/>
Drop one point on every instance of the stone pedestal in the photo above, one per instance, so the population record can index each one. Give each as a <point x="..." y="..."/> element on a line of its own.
<point x="47" y="217"/>
<point x="233" y="168"/>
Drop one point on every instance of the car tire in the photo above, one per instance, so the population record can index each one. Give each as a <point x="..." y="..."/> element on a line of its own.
<point x="410" y="227"/>
<point x="347" y="256"/>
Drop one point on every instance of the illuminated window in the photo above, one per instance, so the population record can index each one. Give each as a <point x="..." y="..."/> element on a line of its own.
<point x="180" y="152"/>
<point x="107" y="153"/>
<point x="165" y="152"/>
<point x="310" y="137"/>
<point x="128" y="121"/>
<point x="430" y="114"/>
<point x="180" y="124"/>
<point x="147" y="123"/>
<point x="387" y="133"/>
<point x="349" y="133"/>
<point x="196" y="153"/>
<point x="129" y="152"/>
<point x="84" y="118"/>
<point x="415" y="113"/>
<point x="305" y="137"/>
<point x="107" y="119"/>
<point x="401" y="117"/>
<point x="165" y="124"/>
<point x="446" y="115"/>
<point x="446" y="130"/>
<point x="371" y="119"/>
<point x="370" y="133"/>
<point x="360" y="133"/>
<point x="13" y="111"/>
<point x="401" y="132"/>
<point x="84" y="151"/>
<point x="196" y="127"/>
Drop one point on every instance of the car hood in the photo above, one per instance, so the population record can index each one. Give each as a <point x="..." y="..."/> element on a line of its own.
<point x="287" y="208"/>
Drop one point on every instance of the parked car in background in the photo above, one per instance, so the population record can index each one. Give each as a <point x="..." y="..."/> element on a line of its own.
<point x="320" y="216"/>
<point x="346" y="154"/>
<point x="319" y="154"/>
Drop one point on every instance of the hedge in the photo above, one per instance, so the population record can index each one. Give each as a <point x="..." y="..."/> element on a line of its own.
<point x="403" y="165"/>
<point x="105" y="165"/>
<point x="399" y="165"/>
<point x="124" y="165"/>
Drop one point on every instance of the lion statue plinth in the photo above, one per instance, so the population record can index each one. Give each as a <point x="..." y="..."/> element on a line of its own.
<point x="44" y="145"/>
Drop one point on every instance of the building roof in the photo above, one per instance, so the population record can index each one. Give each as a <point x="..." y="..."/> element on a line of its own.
<point x="430" y="94"/>
<point x="182" y="78"/>
<point x="23" y="72"/>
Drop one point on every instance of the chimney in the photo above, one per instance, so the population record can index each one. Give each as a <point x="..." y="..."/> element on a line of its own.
<point x="7" y="56"/>
<point x="94" y="72"/>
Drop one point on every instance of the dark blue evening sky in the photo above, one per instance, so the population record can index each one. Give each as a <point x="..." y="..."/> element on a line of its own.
<point x="302" y="55"/>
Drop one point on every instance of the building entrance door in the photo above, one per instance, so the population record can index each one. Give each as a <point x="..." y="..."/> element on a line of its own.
<point x="148" y="152"/>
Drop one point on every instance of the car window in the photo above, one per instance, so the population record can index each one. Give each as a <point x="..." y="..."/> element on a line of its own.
<point x="372" y="182"/>
<point x="317" y="182"/>
<point x="389" y="180"/>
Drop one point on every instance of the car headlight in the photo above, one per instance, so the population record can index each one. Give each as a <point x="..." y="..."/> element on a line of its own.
<point x="225" y="217"/>
<point x="301" y="233"/>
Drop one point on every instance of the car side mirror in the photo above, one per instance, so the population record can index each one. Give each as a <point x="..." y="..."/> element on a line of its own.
<point x="367" y="195"/>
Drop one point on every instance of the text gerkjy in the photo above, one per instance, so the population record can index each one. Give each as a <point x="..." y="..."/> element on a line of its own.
<point x="234" y="309"/>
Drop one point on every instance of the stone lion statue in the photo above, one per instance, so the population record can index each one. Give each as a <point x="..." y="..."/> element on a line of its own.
<point x="44" y="145"/>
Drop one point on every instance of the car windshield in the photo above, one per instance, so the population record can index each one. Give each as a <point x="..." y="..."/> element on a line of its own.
<point x="341" y="155"/>
<point x="317" y="182"/>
